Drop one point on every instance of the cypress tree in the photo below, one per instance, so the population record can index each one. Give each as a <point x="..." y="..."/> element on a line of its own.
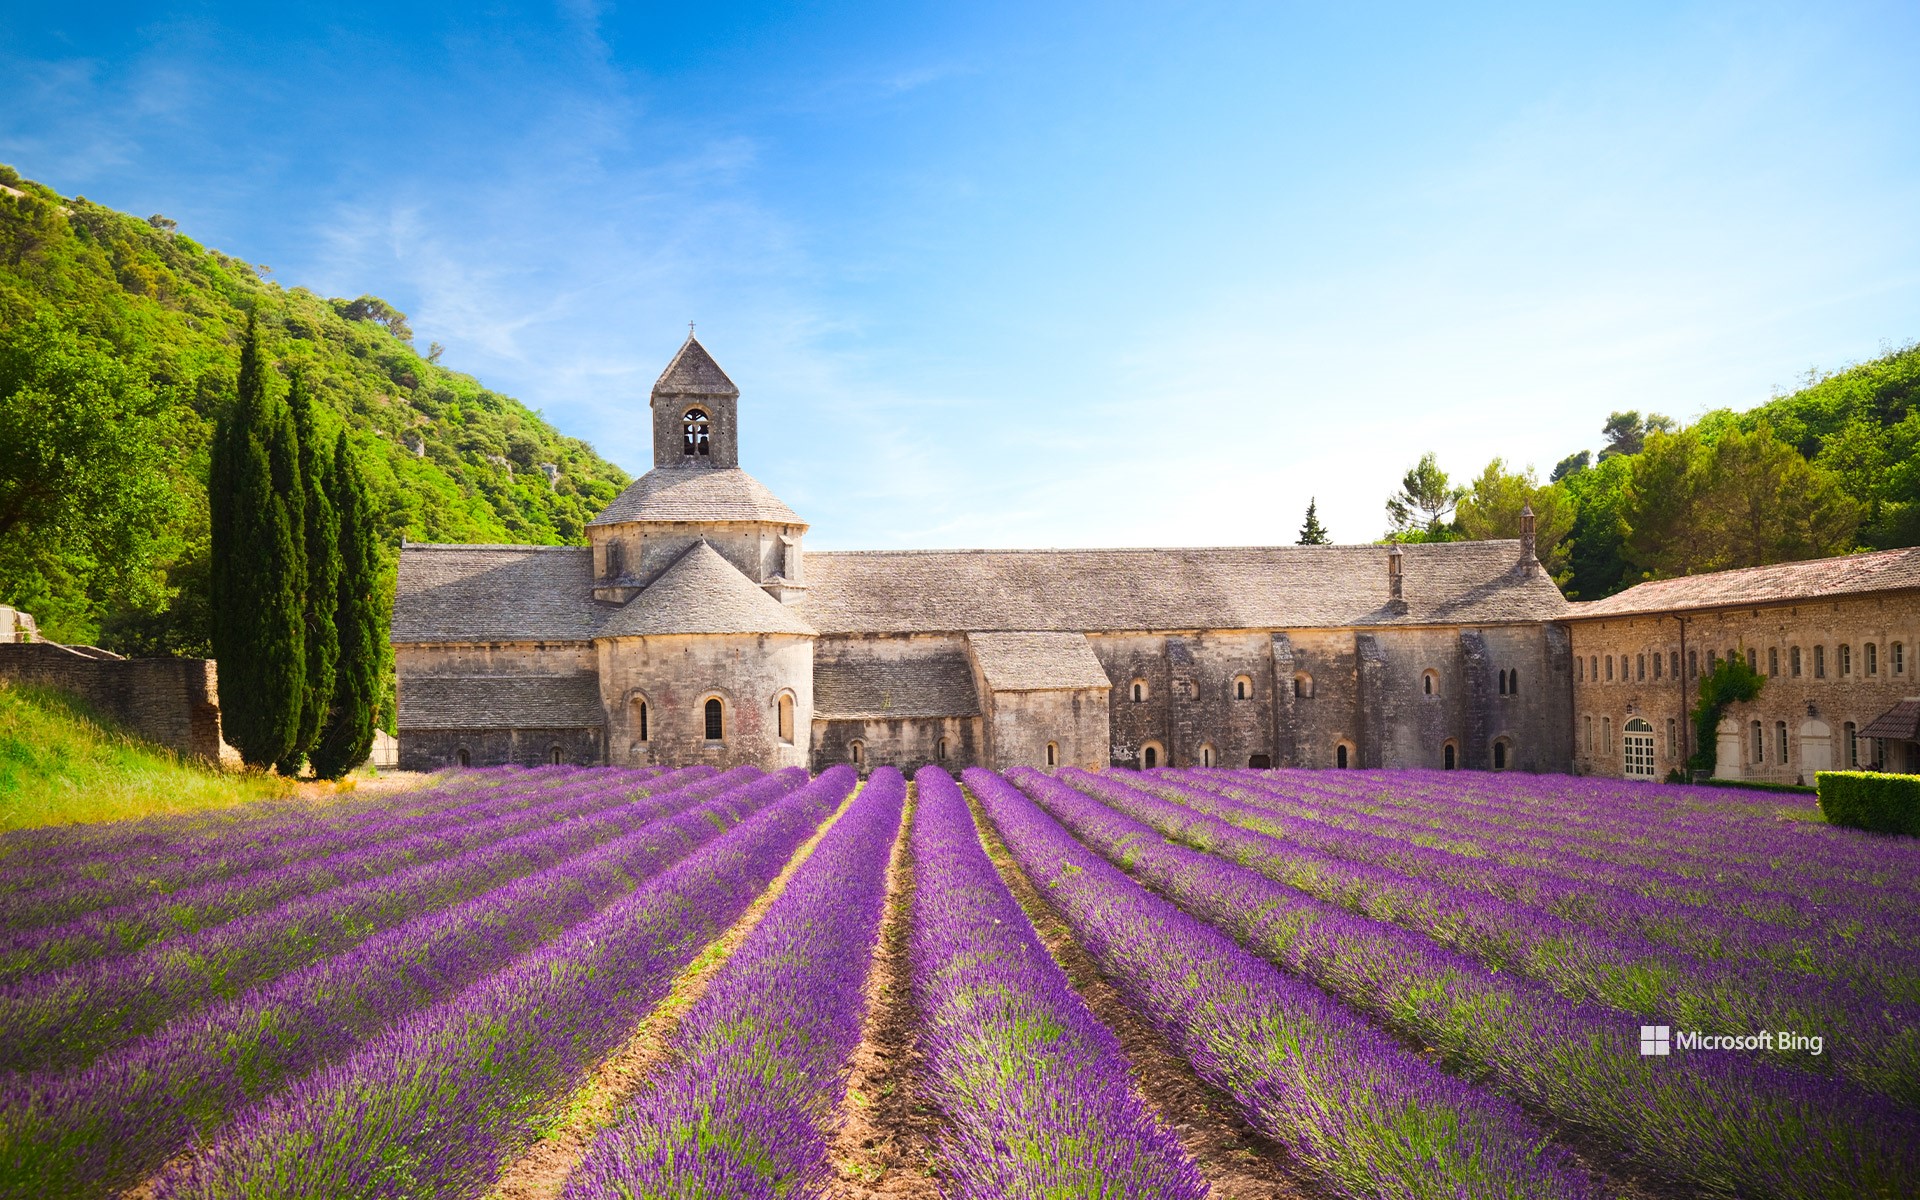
<point x="259" y="568"/>
<point x="321" y="544"/>
<point x="360" y="618"/>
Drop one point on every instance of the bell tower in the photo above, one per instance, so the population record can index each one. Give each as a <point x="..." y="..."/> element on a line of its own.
<point x="695" y="412"/>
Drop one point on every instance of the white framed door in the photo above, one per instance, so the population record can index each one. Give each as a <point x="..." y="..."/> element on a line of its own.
<point x="1637" y="751"/>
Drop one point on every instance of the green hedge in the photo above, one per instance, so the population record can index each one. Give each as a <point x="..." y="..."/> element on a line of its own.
<point x="1868" y="800"/>
<point x="1759" y="785"/>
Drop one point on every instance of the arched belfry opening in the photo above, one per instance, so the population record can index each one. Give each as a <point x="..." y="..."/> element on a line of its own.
<point x="695" y="433"/>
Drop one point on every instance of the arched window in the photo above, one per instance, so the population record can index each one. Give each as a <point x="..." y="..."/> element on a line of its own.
<point x="1513" y="681"/>
<point x="1753" y="659"/>
<point x="1243" y="687"/>
<point x="1773" y="660"/>
<point x="1757" y="734"/>
<point x="1873" y="658"/>
<point x="1639" y="668"/>
<point x="1139" y="691"/>
<point x="694" y="425"/>
<point x="1658" y="660"/>
<point x="1053" y="754"/>
<point x="1793" y="660"/>
<point x="556" y="755"/>
<point x="1846" y="660"/>
<point x="1587" y="722"/>
<point x="785" y="706"/>
<point x="1606" y="732"/>
<point x="857" y="752"/>
<point x="1819" y="662"/>
<point x="1430" y="683"/>
<point x="1340" y="756"/>
<point x="1693" y="664"/>
<point x="1780" y="741"/>
<point x="1500" y="751"/>
<point x="1303" y="686"/>
<point x="1594" y="662"/>
<point x="462" y="757"/>
<point x="638" y="707"/>
<point x="1449" y="756"/>
<point x="1673" y="663"/>
<point x="1151" y="755"/>
<point x="1206" y="755"/>
<point x="716" y="719"/>
<point x="940" y="750"/>
<point x="1581" y="663"/>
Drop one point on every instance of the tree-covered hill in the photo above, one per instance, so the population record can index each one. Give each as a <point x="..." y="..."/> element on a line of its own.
<point x="119" y="342"/>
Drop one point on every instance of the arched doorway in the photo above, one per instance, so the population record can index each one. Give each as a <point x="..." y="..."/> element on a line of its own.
<point x="1637" y="750"/>
<point x="1340" y="757"/>
<point x="1151" y="756"/>
<point x="1450" y="756"/>
<point x="1502" y="750"/>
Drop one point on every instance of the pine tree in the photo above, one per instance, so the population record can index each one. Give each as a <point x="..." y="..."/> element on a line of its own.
<point x="321" y="544"/>
<point x="359" y="617"/>
<point x="1313" y="533"/>
<point x="259" y="568"/>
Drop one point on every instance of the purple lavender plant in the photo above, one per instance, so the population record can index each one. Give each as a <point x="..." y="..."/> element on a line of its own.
<point x="1034" y="1088"/>
<point x="1721" y="1122"/>
<point x="122" y="1117"/>
<point x="758" y="1065"/>
<point x="1367" y="1116"/>
<point x="434" y="1106"/>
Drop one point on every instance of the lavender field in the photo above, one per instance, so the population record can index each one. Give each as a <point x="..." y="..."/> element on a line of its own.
<point x="611" y="984"/>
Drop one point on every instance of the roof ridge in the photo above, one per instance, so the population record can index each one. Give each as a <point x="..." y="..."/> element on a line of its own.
<point x="1380" y="546"/>
<point x="486" y="546"/>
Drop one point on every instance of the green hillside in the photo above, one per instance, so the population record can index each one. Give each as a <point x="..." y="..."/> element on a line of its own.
<point x="61" y="763"/>
<point x="119" y="342"/>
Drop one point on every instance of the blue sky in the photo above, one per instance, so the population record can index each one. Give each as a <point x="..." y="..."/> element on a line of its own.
<point x="1003" y="275"/>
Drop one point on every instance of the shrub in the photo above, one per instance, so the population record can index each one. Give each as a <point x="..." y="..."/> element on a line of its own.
<point x="1869" y="800"/>
<point x="1760" y="785"/>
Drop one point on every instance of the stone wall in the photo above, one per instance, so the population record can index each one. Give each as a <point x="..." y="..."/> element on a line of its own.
<point x="647" y="548"/>
<point x="172" y="701"/>
<point x="1020" y="726"/>
<point x="433" y="749"/>
<point x="1840" y="685"/>
<point x="908" y="743"/>
<point x="676" y="675"/>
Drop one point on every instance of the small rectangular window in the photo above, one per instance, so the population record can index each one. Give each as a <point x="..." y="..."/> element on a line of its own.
<point x="1581" y="666"/>
<point x="1753" y="659"/>
<point x="1673" y="740"/>
<point x="1773" y="660"/>
<point x="1639" y="667"/>
<point x="1853" y="745"/>
<point x="1759" y="743"/>
<point x="1693" y="664"/>
<point x="1673" y="664"/>
<point x="1793" y="661"/>
<point x="1819" y="662"/>
<point x="1899" y="658"/>
<point x="1589" y="725"/>
<point x="1780" y="740"/>
<point x="1658" y="659"/>
<point x="1609" y="668"/>
<point x="1873" y="658"/>
<point x="1606" y="733"/>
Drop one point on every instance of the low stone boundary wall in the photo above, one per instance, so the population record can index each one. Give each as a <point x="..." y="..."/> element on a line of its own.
<point x="172" y="701"/>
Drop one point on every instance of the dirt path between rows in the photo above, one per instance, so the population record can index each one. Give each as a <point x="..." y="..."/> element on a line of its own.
<point x="540" y="1173"/>
<point x="1237" y="1162"/>
<point x="885" y="1145"/>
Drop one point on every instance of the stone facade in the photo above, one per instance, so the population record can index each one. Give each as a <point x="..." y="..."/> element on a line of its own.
<point x="172" y="701"/>
<point x="1835" y="638"/>
<point x="695" y="591"/>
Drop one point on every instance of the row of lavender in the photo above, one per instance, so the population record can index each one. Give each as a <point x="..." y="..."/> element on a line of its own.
<point x="316" y="990"/>
<point x="1724" y="1123"/>
<point x="1495" y="913"/>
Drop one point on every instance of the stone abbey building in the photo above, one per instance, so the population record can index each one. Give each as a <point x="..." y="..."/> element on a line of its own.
<point x="695" y="628"/>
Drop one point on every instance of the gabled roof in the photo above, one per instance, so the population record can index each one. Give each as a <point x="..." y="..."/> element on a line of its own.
<point x="495" y="594"/>
<point x="1037" y="662"/>
<point x="694" y="373"/>
<point x="1093" y="591"/>
<point x="500" y="702"/>
<point x="1901" y="723"/>
<point x="939" y="684"/>
<point x="702" y="593"/>
<point x="697" y="494"/>
<point x="1815" y="579"/>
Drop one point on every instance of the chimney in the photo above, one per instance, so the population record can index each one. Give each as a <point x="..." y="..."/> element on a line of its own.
<point x="1395" y="600"/>
<point x="1529" y="557"/>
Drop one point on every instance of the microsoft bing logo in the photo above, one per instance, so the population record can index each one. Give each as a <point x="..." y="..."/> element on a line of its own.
<point x="1655" y="1039"/>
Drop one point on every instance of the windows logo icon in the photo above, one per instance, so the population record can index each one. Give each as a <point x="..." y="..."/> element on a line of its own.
<point x="1655" y="1039"/>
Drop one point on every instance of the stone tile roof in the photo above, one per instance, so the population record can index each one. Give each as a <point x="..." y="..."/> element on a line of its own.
<point x="1037" y="662"/>
<point x="500" y="702"/>
<point x="1901" y="723"/>
<point x="685" y="493"/>
<point x="1264" y="587"/>
<point x="702" y="593"/>
<point x="694" y="373"/>
<point x="1815" y="579"/>
<point x="931" y="686"/>
<point x="495" y="594"/>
